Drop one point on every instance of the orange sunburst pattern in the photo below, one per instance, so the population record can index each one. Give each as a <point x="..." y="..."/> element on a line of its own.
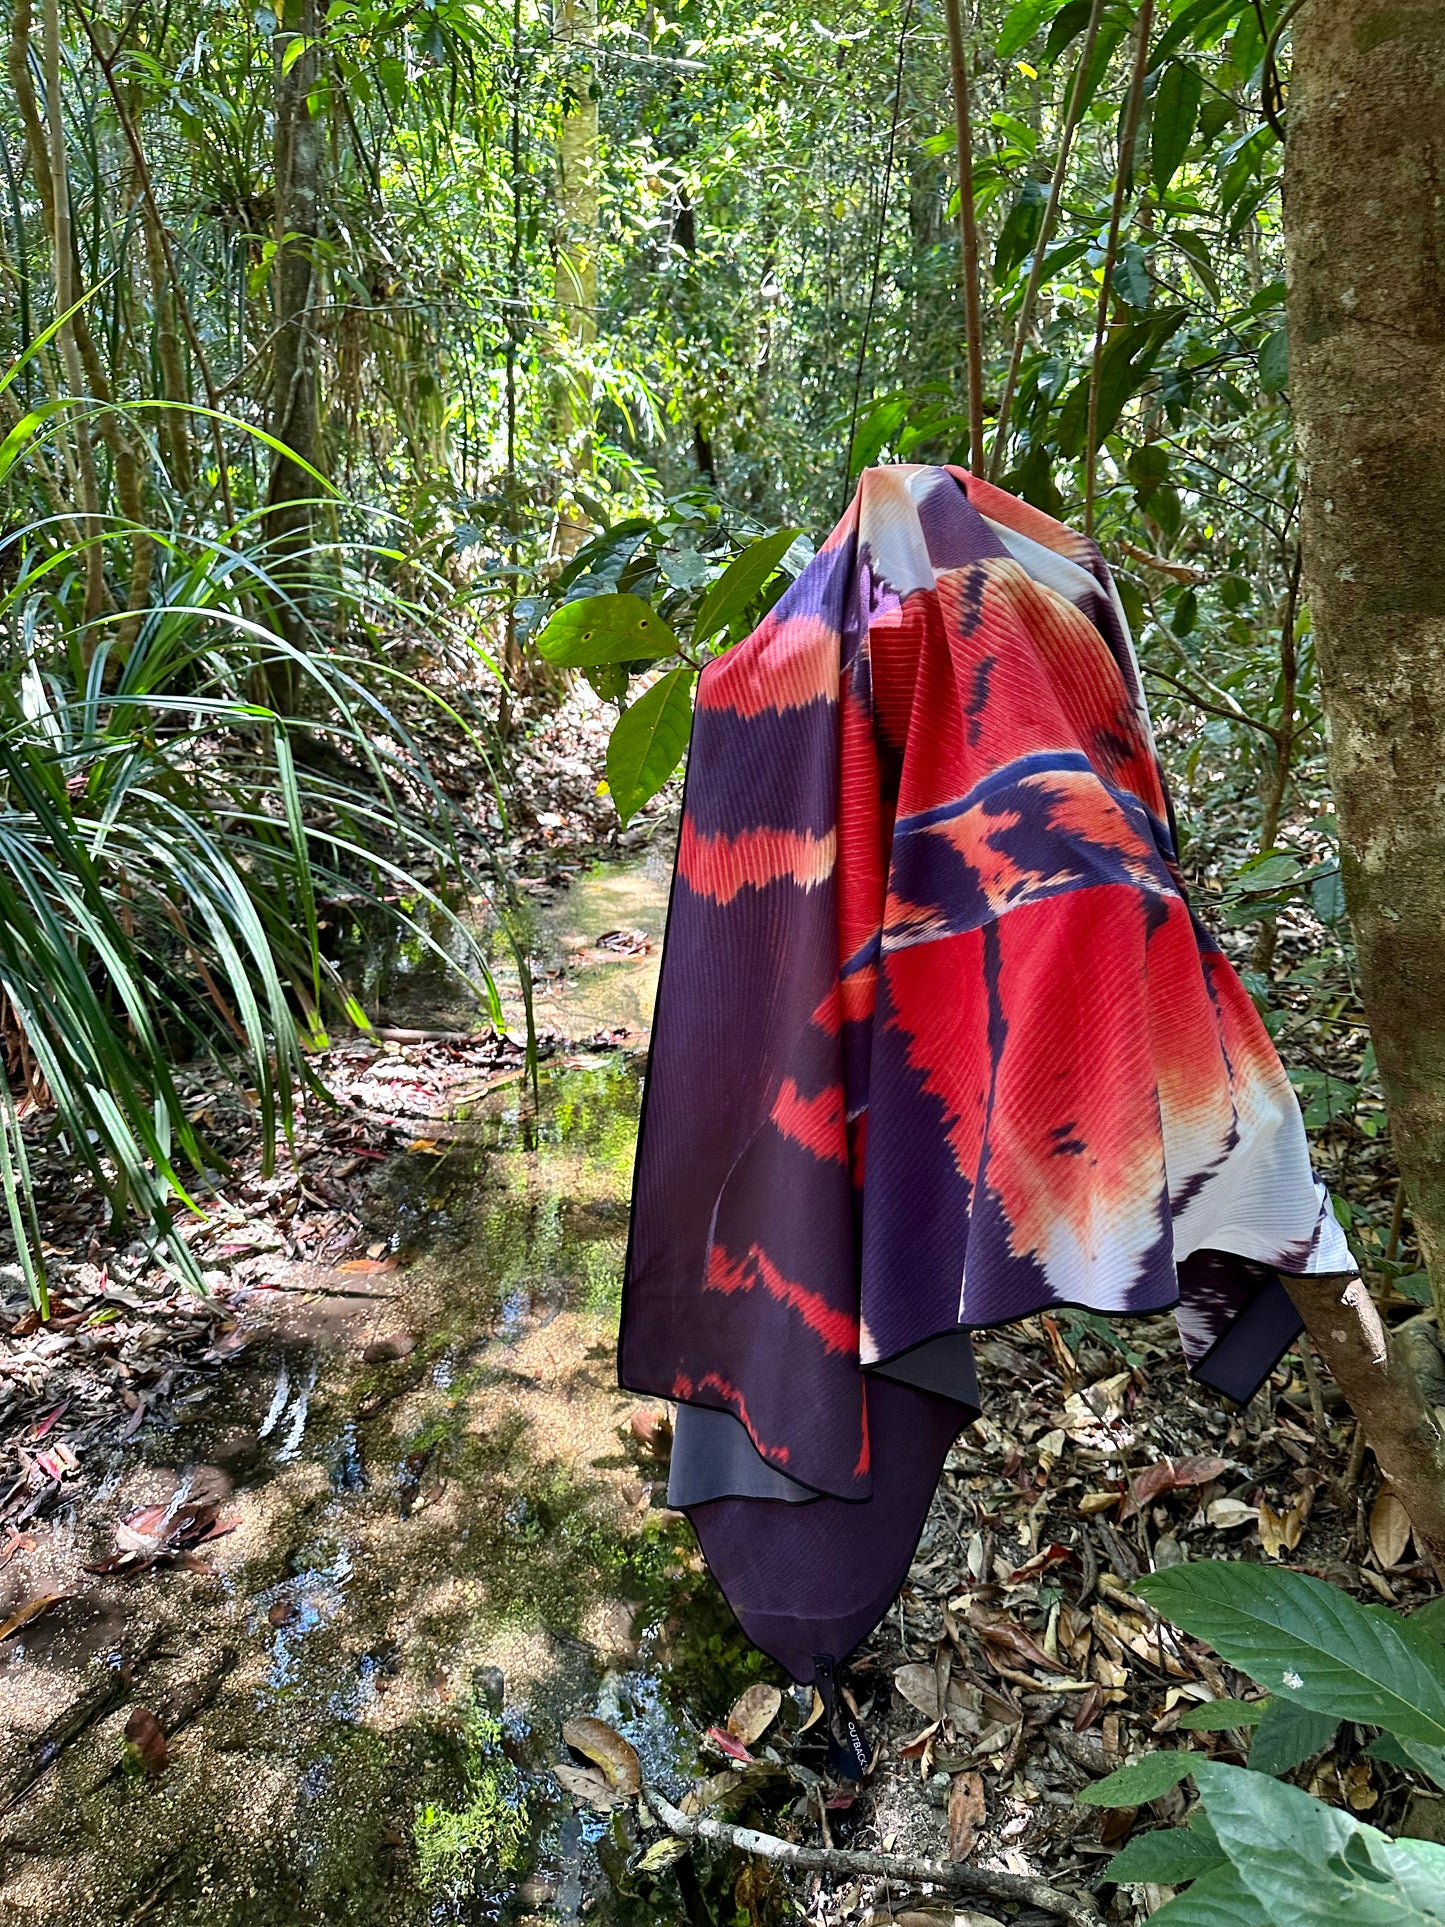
<point x="720" y="866"/>
<point x="939" y="1043"/>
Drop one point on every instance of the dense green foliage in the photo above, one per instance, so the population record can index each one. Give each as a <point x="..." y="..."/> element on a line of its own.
<point x="546" y="303"/>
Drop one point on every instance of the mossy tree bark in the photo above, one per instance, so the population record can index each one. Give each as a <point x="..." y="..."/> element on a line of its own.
<point x="1365" y="228"/>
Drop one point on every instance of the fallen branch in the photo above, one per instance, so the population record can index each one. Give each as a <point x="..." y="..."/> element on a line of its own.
<point x="914" y="1873"/>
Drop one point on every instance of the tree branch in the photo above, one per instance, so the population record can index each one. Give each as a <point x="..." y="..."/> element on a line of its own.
<point x="957" y="1878"/>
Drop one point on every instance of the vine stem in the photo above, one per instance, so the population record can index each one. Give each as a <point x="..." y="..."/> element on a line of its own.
<point x="968" y="233"/>
<point x="1073" y="114"/>
<point x="1123" y="178"/>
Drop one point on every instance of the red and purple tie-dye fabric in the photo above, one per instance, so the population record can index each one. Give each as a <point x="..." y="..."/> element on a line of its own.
<point x="939" y="1042"/>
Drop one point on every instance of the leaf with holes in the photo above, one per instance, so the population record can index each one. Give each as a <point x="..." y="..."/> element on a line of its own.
<point x="599" y="629"/>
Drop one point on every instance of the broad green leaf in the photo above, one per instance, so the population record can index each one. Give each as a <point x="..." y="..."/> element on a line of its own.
<point x="648" y="739"/>
<point x="1020" y="25"/>
<point x="1274" y="363"/>
<point x="1429" y="1760"/>
<point x="1327" y="896"/>
<point x="1069" y="23"/>
<point x="1169" y="1856"/>
<point x="739" y="582"/>
<point x="1310" y="1643"/>
<point x="881" y="424"/>
<point x="1222" y="1716"/>
<point x="1021" y="227"/>
<point x="1218" y="1899"/>
<point x="1313" y="1866"/>
<point x="1123" y="369"/>
<point x="1198" y="25"/>
<point x="606" y="628"/>
<point x="1146" y="1779"/>
<point x="1176" y="110"/>
<point x="1288" y="1735"/>
<point x="1430" y="1618"/>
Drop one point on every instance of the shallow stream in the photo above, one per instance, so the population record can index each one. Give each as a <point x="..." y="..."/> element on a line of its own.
<point x="445" y="1541"/>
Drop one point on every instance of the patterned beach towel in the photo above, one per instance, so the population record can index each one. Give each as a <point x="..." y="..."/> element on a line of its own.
<point x="939" y="1044"/>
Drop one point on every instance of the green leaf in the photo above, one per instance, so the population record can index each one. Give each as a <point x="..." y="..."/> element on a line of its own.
<point x="739" y="582"/>
<point x="1176" y="110"/>
<point x="1123" y="369"/>
<point x="1288" y="1735"/>
<point x="1200" y="258"/>
<point x="1327" y="896"/>
<point x="881" y="424"/>
<point x="1169" y="1856"/>
<point x="648" y="739"/>
<point x="1145" y="1780"/>
<point x="1274" y="363"/>
<point x="1020" y="25"/>
<point x="1217" y="1899"/>
<point x="1313" y="1866"/>
<point x="606" y="628"/>
<point x="1429" y="1760"/>
<point x="1222" y="1716"/>
<point x="1197" y="25"/>
<point x="1310" y="1643"/>
<point x="1021" y="228"/>
<point x="1430" y="1618"/>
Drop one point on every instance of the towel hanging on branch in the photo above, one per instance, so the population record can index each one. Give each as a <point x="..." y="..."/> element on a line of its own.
<point x="939" y="1044"/>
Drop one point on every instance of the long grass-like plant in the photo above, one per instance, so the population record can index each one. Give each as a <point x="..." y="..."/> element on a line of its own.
<point x="173" y="832"/>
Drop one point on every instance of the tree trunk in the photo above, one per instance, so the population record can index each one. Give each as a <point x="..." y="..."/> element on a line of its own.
<point x="1395" y="1382"/>
<point x="1365" y="230"/>
<point x="578" y="204"/>
<point x="294" y="381"/>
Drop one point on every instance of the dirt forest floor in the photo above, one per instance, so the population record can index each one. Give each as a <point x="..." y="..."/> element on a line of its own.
<point x="299" y="1581"/>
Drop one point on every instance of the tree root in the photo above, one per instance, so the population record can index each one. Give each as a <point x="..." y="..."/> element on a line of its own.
<point x="914" y="1873"/>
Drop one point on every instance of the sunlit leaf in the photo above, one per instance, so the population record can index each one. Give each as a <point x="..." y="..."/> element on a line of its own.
<point x="605" y="629"/>
<point x="648" y="739"/>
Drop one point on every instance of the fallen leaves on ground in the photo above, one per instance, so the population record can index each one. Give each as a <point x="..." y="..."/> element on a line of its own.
<point x="157" y="1533"/>
<point x="31" y="1609"/>
<point x="146" y="1742"/>
<point x="613" y="1756"/>
<point x="967" y="1807"/>
<point x="753" y="1713"/>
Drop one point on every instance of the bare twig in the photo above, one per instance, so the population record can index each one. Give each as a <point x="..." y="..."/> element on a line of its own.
<point x="1215" y="709"/>
<point x="918" y="1873"/>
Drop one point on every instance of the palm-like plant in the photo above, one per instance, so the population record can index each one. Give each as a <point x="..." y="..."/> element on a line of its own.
<point x="171" y="834"/>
